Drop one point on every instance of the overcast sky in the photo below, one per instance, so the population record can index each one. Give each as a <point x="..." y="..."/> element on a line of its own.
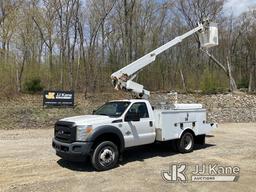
<point x="238" y="6"/>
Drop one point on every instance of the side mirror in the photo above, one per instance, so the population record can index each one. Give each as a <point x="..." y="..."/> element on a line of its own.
<point x="132" y="116"/>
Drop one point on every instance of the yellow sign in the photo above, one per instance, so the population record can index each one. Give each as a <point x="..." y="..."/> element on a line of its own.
<point x="50" y="95"/>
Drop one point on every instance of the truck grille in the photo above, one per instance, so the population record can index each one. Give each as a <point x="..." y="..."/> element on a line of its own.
<point x="65" y="131"/>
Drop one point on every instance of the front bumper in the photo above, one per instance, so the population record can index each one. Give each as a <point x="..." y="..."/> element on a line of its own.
<point x="76" y="151"/>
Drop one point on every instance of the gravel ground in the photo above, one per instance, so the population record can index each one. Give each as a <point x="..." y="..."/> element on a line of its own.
<point x="28" y="163"/>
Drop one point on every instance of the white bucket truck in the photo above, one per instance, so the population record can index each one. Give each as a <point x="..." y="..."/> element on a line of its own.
<point x="118" y="125"/>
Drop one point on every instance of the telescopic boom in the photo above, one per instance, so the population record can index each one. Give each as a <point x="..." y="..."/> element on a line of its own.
<point x="122" y="79"/>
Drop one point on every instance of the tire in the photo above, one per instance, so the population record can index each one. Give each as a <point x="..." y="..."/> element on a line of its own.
<point x="186" y="143"/>
<point x="105" y="156"/>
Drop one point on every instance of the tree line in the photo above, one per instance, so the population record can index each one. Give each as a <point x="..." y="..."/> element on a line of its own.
<point x="77" y="44"/>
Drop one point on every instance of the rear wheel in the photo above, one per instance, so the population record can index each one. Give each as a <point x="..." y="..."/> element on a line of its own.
<point x="186" y="143"/>
<point x="105" y="156"/>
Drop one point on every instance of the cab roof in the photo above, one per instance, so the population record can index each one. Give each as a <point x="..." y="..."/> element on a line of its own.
<point x="129" y="100"/>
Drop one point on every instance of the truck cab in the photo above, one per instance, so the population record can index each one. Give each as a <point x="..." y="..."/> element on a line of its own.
<point x="135" y="121"/>
<point x="124" y="123"/>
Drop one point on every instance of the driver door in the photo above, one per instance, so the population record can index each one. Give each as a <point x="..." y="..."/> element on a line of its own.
<point x="138" y="132"/>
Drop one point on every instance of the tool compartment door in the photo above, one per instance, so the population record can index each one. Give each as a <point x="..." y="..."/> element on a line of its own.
<point x="171" y="123"/>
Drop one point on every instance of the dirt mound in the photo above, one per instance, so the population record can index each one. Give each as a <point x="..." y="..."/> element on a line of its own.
<point x="26" y="111"/>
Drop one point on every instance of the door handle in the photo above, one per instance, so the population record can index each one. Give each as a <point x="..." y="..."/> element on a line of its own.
<point x="127" y="132"/>
<point x="151" y="123"/>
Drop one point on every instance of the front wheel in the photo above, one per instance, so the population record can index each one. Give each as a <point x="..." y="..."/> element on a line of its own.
<point x="186" y="143"/>
<point x="105" y="156"/>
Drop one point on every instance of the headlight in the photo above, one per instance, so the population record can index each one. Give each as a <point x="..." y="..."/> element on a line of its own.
<point x="82" y="132"/>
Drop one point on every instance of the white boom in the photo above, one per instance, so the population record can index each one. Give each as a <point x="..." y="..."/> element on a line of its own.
<point x="122" y="79"/>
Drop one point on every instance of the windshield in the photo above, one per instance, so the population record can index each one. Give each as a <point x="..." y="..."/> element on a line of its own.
<point x="112" y="109"/>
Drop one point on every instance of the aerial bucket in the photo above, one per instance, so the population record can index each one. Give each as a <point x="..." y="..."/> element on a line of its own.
<point x="209" y="37"/>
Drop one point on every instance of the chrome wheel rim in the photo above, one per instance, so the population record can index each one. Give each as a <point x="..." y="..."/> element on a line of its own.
<point x="106" y="156"/>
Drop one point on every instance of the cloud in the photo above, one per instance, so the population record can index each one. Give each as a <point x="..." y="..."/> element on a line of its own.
<point x="238" y="6"/>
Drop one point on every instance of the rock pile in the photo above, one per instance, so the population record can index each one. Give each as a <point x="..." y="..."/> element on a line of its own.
<point x="232" y="107"/>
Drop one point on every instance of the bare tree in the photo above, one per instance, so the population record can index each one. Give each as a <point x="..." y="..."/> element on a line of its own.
<point x="46" y="30"/>
<point x="195" y="11"/>
<point x="77" y="44"/>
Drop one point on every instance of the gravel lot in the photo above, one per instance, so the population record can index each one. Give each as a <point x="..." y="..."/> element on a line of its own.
<point x="28" y="163"/>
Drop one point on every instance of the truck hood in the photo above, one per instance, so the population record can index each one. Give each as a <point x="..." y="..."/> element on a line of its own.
<point x="89" y="119"/>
